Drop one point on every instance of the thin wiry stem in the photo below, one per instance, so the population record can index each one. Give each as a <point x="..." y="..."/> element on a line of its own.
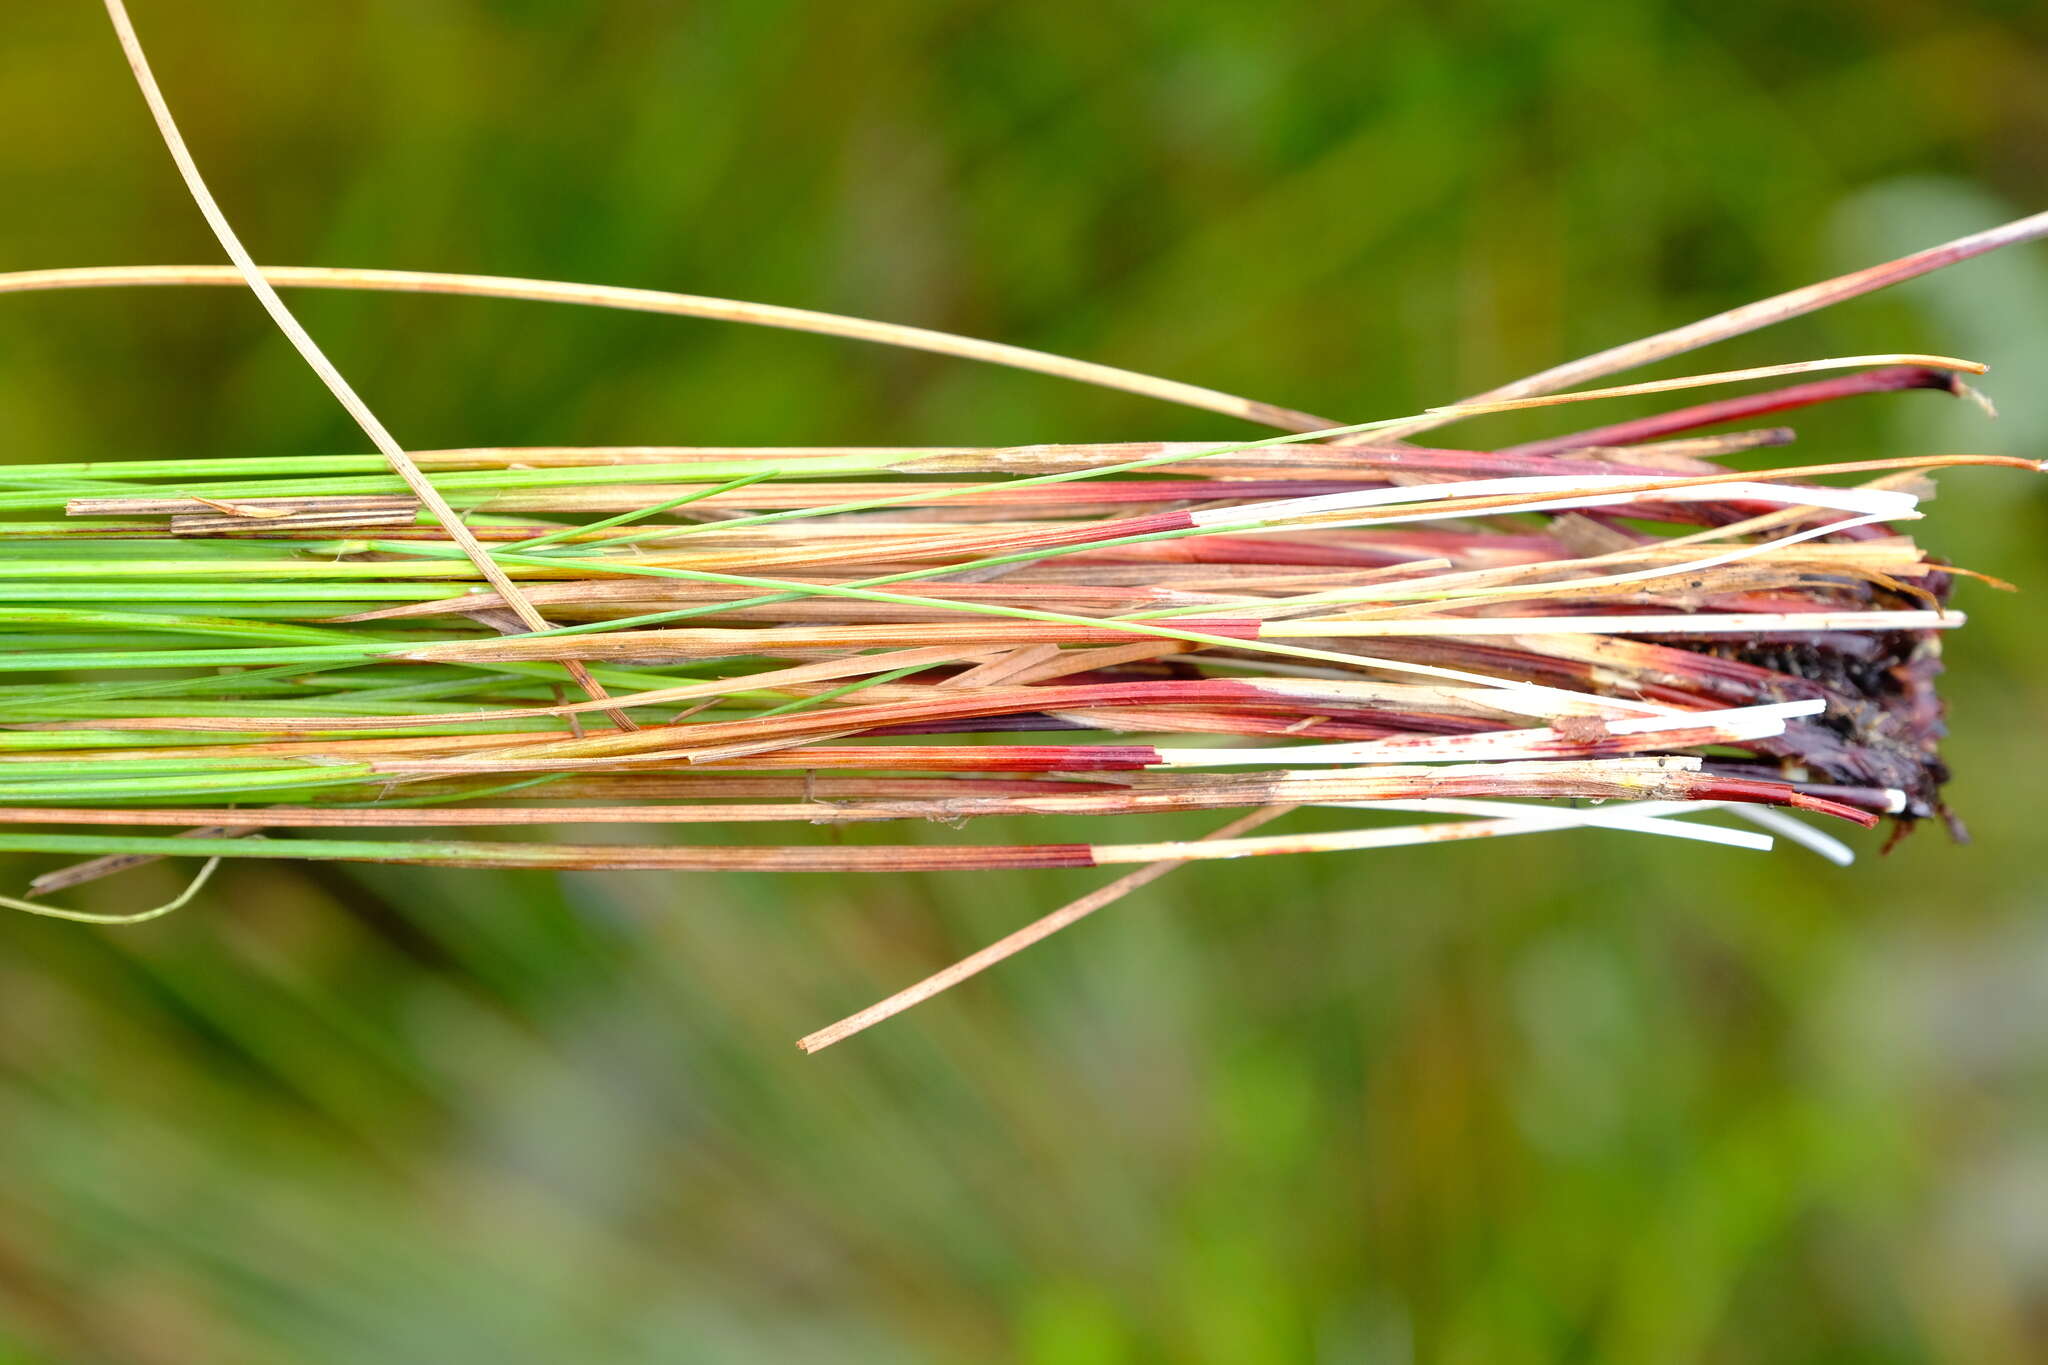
<point x="682" y="305"/>
<point x="1009" y="945"/>
<point x="178" y="902"/>
<point x="1750" y="317"/>
<point x="1474" y="407"/>
<point x="302" y="341"/>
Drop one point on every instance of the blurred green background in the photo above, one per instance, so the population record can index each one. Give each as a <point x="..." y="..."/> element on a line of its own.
<point x="1572" y="1098"/>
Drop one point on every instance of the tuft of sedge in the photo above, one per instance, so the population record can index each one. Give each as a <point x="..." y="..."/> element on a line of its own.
<point x="1621" y="626"/>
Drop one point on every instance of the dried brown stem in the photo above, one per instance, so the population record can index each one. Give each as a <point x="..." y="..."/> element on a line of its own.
<point x="1013" y="943"/>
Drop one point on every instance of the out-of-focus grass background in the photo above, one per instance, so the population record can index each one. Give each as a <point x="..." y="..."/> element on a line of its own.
<point x="1562" y="1099"/>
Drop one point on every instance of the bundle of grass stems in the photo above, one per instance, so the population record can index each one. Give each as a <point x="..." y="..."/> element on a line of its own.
<point x="1620" y="627"/>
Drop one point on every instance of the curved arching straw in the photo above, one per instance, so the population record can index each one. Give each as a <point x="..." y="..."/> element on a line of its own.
<point x="702" y="306"/>
<point x="1614" y="360"/>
